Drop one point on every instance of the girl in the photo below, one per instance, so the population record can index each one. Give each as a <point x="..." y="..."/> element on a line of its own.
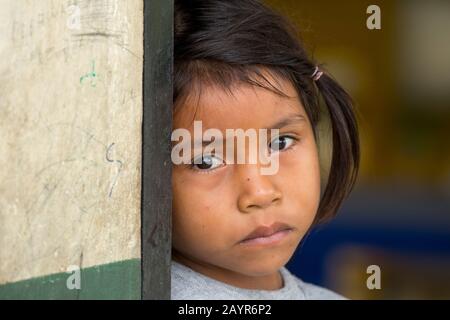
<point x="239" y="65"/>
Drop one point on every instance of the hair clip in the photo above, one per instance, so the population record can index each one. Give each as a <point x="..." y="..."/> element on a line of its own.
<point x="316" y="74"/>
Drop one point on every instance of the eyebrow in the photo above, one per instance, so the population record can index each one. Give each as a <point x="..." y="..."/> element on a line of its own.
<point x="289" y="120"/>
<point x="284" y="122"/>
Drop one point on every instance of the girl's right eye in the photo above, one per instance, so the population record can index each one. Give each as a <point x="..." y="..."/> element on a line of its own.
<point x="207" y="163"/>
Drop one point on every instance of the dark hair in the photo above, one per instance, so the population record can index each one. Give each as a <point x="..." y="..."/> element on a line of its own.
<point x="234" y="41"/>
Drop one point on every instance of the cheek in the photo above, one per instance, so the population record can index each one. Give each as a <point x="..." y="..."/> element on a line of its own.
<point x="198" y="213"/>
<point x="300" y="172"/>
<point x="188" y="210"/>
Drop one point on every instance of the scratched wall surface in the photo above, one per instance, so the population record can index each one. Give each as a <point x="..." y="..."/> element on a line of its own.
<point x="70" y="134"/>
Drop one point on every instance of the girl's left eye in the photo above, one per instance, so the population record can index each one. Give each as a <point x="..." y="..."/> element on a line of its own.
<point x="280" y="143"/>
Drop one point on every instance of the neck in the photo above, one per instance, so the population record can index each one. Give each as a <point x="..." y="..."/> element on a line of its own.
<point x="272" y="281"/>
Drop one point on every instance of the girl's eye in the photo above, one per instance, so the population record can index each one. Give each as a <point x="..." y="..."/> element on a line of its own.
<point x="280" y="143"/>
<point x="207" y="163"/>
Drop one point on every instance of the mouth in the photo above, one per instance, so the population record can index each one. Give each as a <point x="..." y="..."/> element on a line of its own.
<point x="267" y="235"/>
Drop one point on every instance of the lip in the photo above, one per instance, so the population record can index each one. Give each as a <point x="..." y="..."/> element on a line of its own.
<point x="265" y="235"/>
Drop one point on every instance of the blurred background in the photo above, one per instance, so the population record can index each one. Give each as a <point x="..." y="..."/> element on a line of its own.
<point x="398" y="216"/>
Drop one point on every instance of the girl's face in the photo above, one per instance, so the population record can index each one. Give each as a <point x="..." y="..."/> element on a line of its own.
<point x="216" y="206"/>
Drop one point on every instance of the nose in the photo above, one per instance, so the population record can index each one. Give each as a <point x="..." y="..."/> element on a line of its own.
<point x="256" y="191"/>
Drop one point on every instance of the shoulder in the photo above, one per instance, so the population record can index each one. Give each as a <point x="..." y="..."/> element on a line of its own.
<point x="312" y="291"/>
<point x="186" y="284"/>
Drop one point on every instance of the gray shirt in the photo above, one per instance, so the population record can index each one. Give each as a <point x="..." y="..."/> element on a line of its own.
<point x="188" y="284"/>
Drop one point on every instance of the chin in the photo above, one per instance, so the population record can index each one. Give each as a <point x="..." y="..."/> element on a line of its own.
<point x="264" y="267"/>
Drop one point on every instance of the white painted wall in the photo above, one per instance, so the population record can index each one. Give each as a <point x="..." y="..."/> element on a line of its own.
<point x="70" y="134"/>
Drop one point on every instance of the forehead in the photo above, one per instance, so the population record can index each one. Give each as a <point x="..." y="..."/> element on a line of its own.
<point x="244" y="106"/>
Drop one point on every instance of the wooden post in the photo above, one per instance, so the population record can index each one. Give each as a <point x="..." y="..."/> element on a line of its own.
<point x="156" y="201"/>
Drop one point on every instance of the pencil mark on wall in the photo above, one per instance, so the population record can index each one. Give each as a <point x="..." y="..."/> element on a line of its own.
<point x="118" y="170"/>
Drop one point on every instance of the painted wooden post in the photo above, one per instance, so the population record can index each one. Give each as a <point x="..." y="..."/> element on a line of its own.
<point x="156" y="149"/>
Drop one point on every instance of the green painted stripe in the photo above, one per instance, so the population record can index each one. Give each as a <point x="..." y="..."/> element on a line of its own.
<point x="118" y="280"/>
